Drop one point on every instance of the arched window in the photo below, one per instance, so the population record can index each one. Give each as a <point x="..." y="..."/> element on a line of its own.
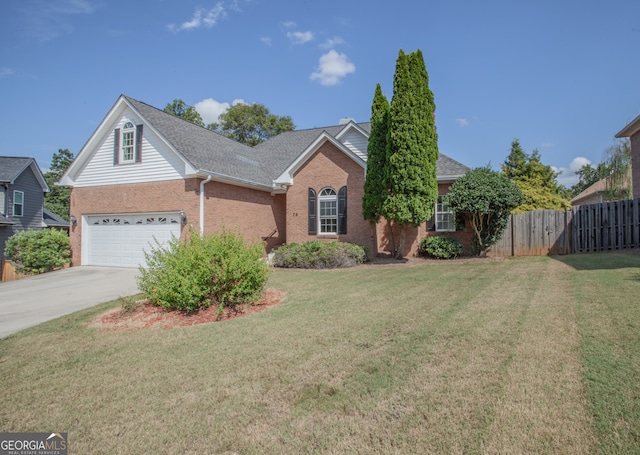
<point x="328" y="209"/>
<point x="127" y="154"/>
<point x="127" y="144"/>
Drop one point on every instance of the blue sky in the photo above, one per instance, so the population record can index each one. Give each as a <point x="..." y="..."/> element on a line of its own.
<point x="560" y="75"/>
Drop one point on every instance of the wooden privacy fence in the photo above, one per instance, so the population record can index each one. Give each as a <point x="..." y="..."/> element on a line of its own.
<point x="587" y="228"/>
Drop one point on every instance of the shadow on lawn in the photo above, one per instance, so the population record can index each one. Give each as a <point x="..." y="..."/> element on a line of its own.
<point x="606" y="260"/>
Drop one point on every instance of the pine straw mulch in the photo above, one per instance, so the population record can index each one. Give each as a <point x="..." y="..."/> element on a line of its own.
<point x="146" y="315"/>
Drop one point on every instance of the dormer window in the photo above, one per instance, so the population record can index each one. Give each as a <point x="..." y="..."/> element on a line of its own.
<point x="127" y="144"/>
<point x="128" y="140"/>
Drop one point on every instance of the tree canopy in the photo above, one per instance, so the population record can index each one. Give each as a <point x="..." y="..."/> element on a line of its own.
<point x="486" y="198"/>
<point x="181" y="109"/>
<point x="411" y="148"/>
<point x="618" y="161"/>
<point x="537" y="181"/>
<point x="57" y="199"/>
<point x="251" y="124"/>
<point x="588" y="175"/>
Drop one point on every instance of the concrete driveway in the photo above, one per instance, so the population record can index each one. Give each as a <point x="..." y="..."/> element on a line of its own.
<point x="30" y="301"/>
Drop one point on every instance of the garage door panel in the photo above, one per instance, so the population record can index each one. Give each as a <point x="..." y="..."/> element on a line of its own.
<point x="120" y="240"/>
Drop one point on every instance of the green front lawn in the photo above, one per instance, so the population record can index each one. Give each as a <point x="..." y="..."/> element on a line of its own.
<point x="523" y="355"/>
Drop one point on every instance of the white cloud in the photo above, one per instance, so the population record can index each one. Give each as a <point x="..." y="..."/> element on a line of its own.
<point x="578" y="162"/>
<point x="300" y="37"/>
<point x="266" y="40"/>
<point x="333" y="66"/>
<point x="288" y="24"/>
<point x="547" y="145"/>
<point x="210" y="109"/>
<point x="462" y="122"/>
<point x="568" y="175"/>
<point x="7" y="72"/>
<point x="47" y="20"/>
<point x="201" y="18"/>
<point x="332" y="42"/>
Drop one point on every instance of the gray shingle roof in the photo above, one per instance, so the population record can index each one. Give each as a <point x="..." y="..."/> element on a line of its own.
<point x="53" y="220"/>
<point x="203" y="148"/>
<point x="4" y="221"/>
<point x="211" y="152"/>
<point x="12" y="166"/>
<point x="449" y="168"/>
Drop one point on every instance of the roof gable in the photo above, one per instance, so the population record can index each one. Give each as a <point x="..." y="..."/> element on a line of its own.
<point x="286" y="176"/>
<point x="12" y="167"/>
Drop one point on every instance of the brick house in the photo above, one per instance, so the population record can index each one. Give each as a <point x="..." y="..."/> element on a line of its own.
<point x="145" y="173"/>
<point x="632" y="131"/>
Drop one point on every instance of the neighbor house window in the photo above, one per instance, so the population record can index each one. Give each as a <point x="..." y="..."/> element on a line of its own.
<point x="328" y="211"/>
<point x="445" y="217"/>
<point x="18" y="203"/>
<point x="127" y="144"/>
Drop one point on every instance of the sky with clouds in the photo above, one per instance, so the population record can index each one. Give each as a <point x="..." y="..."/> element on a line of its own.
<point x="559" y="75"/>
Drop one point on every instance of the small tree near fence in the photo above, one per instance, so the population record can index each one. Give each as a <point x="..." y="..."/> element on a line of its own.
<point x="486" y="198"/>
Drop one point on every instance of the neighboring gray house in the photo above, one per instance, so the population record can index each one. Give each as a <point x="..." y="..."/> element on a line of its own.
<point x="22" y="188"/>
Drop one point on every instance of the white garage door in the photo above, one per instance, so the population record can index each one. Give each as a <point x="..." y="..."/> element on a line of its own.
<point x="120" y="240"/>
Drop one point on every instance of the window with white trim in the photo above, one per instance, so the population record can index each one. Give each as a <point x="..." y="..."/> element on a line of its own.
<point x="328" y="205"/>
<point x="127" y="143"/>
<point x="18" y="203"/>
<point x="445" y="216"/>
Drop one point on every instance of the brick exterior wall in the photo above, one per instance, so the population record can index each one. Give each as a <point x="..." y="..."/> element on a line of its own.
<point x="414" y="235"/>
<point x="256" y="214"/>
<point x="329" y="167"/>
<point x="635" y="164"/>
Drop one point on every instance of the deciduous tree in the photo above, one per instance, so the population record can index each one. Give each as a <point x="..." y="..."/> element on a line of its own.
<point x="251" y="124"/>
<point x="181" y="109"/>
<point x="57" y="199"/>
<point x="486" y="198"/>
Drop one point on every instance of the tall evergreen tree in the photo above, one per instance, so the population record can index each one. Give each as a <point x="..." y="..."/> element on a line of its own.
<point x="514" y="164"/>
<point x="411" y="148"/>
<point x="375" y="185"/>
<point x="537" y="181"/>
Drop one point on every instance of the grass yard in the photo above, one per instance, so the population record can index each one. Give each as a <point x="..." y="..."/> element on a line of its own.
<point x="522" y="355"/>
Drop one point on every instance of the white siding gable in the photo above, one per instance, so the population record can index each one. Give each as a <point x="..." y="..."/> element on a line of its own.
<point x="356" y="142"/>
<point x="159" y="162"/>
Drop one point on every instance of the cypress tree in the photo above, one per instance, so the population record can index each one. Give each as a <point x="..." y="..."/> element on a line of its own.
<point x="375" y="185"/>
<point x="411" y="148"/>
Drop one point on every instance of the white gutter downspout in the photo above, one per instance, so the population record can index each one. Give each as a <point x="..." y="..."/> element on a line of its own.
<point x="202" y="184"/>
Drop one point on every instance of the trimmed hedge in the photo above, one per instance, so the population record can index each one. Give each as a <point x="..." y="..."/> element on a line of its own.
<point x="220" y="270"/>
<point x="441" y="247"/>
<point x="38" y="251"/>
<point x="318" y="254"/>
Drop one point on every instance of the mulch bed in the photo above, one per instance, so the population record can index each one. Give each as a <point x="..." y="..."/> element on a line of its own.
<point x="151" y="316"/>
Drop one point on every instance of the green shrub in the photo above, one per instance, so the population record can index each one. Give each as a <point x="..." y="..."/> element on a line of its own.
<point x="220" y="270"/>
<point x="318" y="254"/>
<point x="441" y="247"/>
<point x="38" y="251"/>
